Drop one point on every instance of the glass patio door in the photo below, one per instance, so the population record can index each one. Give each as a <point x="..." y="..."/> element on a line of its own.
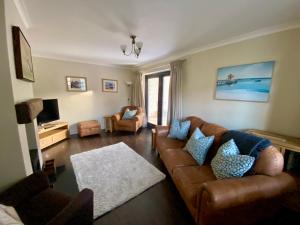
<point x="157" y="98"/>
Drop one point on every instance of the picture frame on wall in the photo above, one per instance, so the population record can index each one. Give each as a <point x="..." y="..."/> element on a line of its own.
<point x="76" y="84"/>
<point x="247" y="82"/>
<point x="22" y="56"/>
<point x="109" y="85"/>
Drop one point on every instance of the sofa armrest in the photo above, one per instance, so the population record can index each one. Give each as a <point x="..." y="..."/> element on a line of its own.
<point x="116" y="117"/>
<point x="78" y="211"/>
<point x="24" y="189"/>
<point x="228" y="193"/>
<point x="162" y="130"/>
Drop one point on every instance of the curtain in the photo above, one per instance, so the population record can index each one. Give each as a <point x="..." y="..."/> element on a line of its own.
<point x="175" y="92"/>
<point x="138" y="94"/>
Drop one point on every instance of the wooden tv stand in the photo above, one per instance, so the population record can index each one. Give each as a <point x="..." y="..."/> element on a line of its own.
<point x="52" y="133"/>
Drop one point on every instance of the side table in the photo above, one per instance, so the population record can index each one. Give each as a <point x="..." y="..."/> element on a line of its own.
<point x="109" y="127"/>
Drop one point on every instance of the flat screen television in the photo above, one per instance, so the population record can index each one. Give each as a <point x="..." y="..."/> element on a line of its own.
<point x="50" y="111"/>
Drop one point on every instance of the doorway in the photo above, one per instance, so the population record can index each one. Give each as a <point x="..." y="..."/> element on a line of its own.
<point x="157" y="98"/>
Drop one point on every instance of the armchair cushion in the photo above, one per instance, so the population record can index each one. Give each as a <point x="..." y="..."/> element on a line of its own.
<point x="129" y="114"/>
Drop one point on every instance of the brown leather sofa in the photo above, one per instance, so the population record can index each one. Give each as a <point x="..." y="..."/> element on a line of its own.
<point x="235" y="201"/>
<point x="129" y="125"/>
<point x="38" y="204"/>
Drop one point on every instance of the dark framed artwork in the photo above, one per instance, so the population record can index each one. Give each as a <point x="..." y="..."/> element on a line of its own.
<point x="22" y="55"/>
<point x="78" y="84"/>
<point x="109" y="85"/>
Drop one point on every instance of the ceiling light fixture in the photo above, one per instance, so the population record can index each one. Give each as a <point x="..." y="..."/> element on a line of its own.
<point x="136" y="47"/>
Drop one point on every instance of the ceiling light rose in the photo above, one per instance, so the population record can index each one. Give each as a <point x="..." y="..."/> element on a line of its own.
<point x="136" y="47"/>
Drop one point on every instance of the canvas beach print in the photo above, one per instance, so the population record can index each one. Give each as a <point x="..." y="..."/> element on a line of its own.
<point x="249" y="82"/>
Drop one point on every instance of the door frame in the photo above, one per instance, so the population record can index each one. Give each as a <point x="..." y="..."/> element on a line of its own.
<point x="161" y="76"/>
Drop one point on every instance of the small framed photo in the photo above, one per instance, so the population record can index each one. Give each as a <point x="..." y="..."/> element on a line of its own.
<point x="76" y="84"/>
<point x="109" y="85"/>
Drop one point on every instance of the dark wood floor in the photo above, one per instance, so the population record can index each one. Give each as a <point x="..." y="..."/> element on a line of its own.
<point x="159" y="205"/>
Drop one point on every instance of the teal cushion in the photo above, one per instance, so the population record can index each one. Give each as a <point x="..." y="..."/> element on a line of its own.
<point x="228" y="162"/>
<point x="198" y="145"/>
<point x="129" y="114"/>
<point x="179" y="130"/>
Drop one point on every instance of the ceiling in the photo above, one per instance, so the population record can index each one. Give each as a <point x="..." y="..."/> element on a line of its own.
<point x="92" y="30"/>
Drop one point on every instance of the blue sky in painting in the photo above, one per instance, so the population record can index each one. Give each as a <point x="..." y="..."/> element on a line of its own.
<point x="257" y="70"/>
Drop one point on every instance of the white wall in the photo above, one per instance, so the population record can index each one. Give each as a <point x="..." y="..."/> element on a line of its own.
<point x="281" y="114"/>
<point x="15" y="159"/>
<point x="74" y="106"/>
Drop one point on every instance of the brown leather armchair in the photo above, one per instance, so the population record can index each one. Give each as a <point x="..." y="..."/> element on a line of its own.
<point x="38" y="204"/>
<point x="129" y="125"/>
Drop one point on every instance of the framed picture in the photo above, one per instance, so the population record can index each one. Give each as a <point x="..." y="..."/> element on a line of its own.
<point x="22" y="54"/>
<point x="109" y="85"/>
<point x="76" y="83"/>
<point x="249" y="82"/>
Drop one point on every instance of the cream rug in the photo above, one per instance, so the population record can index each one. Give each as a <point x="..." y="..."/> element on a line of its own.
<point x="115" y="173"/>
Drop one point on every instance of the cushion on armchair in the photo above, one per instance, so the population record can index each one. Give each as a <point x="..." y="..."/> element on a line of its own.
<point x="129" y="114"/>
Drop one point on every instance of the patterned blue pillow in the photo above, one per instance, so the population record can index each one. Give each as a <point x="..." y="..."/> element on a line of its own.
<point x="229" y="163"/>
<point x="129" y="114"/>
<point x="179" y="130"/>
<point x="198" y="145"/>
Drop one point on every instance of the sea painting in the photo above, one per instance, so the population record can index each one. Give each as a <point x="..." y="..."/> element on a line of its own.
<point x="249" y="82"/>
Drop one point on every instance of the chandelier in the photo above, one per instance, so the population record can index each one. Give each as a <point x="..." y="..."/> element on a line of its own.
<point x="136" y="47"/>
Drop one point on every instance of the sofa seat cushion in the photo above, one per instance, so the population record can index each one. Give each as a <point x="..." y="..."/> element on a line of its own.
<point x="163" y="143"/>
<point x="43" y="207"/>
<point x="189" y="179"/>
<point x="174" y="158"/>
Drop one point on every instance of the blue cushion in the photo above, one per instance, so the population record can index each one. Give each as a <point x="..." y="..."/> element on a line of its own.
<point x="179" y="130"/>
<point x="228" y="162"/>
<point x="129" y="114"/>
<point x="198" y="145"/>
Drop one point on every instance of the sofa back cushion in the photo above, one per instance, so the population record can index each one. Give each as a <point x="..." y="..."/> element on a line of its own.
<point x="210" y="129"/>
<point x="195" y="122"/>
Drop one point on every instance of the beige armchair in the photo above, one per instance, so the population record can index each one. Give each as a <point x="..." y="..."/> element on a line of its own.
<point x="129" y="125"/>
